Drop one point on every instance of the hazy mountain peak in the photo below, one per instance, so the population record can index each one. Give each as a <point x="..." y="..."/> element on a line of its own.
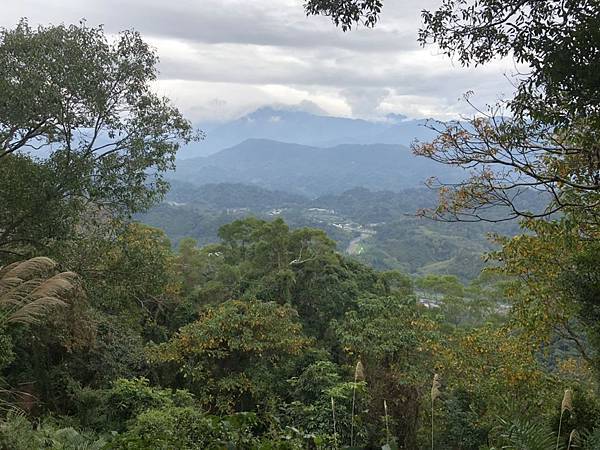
<point x="297" y="125"/>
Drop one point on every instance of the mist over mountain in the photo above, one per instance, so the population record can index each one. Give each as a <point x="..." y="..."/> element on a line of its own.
<point x="307" y="128"/>
<point x="314" y="171"/>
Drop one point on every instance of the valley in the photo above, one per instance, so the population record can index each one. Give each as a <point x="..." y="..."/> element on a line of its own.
<point x="379" y="228"/>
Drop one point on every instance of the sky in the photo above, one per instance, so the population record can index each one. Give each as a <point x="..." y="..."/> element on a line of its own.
<point x="221" y="59"/>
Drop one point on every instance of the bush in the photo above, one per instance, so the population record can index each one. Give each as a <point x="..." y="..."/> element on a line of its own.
<point x="187" y="428"/>
<point x="18" y="433"/>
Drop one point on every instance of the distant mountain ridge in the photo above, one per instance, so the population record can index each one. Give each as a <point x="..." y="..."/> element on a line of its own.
<point x="301" y="127"/>
<point x="314" y="171"/>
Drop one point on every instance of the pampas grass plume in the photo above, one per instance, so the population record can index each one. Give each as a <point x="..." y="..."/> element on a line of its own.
<point x="567" y="402"/>
<point x="359" y="372"/>
<point x="435" y="387"/>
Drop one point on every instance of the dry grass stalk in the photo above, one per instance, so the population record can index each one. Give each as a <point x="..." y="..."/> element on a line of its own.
<point x="436" y="385"/>
<point x="335" y="443"/>
<point x="387" y="425"/>
<point x="359" y="372"/>
<point x="566" y="405"/>
<point x="567" y="401"/>
<point x="359" y="375"/>
<point x="573" y="438"/>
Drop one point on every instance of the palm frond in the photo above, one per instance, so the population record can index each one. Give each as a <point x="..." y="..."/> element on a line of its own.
<point x="518" y="434"/>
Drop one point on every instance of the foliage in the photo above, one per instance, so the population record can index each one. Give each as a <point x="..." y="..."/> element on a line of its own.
<point x="398" y="240"/>
<point x="28" y="290"/>
<point x="252" y="341"/>
<point x="234" y="356"/>
<point x="186" y="428"/>
<point x="524" y="435"/>
<point x="93" y="139"/>
<point x="391" y="337"/>
<point x="17" y="433"/>
<point x="347" y="13"/>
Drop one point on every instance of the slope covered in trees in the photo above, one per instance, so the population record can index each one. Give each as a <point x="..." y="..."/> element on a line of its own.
<point x="381" y="228"/>
<point x="312" y="171"/>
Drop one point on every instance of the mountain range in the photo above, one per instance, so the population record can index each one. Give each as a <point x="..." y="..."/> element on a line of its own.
<point x="302" y="127"/>
<point x="314" y="171"/>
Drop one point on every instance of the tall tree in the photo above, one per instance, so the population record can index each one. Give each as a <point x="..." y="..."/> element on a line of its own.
<point x="81" y="130"/>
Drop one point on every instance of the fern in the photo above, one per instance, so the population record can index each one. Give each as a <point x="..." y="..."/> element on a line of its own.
<point x="590" y="439"/>
<point x="519" y="434"/>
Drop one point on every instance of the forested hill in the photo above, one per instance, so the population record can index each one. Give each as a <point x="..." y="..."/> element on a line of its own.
<point x="303" y="306"/>
<point x="313" y="171"/>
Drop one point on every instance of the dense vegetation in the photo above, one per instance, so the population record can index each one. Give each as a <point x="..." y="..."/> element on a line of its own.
<point x="270" y="338"/>
<point x="385" y="228"/>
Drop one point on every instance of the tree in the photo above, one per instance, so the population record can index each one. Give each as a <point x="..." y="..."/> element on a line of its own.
<point x="81" y="131"/>
<point x="392" y="336"/>
<point x="236" y="354"/>
<point x="546" y="137"/>
<point x="545" y="140"/>
<point x="580" y="281"/>
<point x="268" y="261"/>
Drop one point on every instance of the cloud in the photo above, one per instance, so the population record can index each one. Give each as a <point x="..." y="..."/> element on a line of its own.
<point x="220" y="58"/>
<point x="365" y="101"/>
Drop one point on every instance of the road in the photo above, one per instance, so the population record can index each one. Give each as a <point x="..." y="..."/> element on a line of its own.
<point x="354" y="247"/>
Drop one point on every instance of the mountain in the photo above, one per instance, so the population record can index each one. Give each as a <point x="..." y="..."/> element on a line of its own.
<point x="313" y="171"/>
<point x="301" y="127"/>
<point x="230" y="196"/>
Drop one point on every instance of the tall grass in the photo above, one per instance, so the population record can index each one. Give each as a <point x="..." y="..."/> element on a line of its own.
<point x="387" y="423"/>
<point x="359" y="375"/>
<point x="573" y="439"/>
<point x="435" y="393"/>
<point x="335" y="443"/>
<point x="566" y="405"/>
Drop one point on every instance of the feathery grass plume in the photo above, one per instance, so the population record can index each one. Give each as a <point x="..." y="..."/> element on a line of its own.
<point x="573" y="438"/>
<point x="387" y="425"/>
<point x="29" y="268"/>
<point x="359" y="375"/>
<point x="359" y="372"/>
<point x="335" y="443"/>
<point x="435" y="387"/>
<point x="435" y="393"/>
<point x="28" y="291"/>
<point x="567" y="401"/>
<point x="566" y="405"/>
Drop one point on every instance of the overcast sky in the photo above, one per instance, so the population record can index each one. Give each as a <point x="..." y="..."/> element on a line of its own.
<point x="223" y="58"/>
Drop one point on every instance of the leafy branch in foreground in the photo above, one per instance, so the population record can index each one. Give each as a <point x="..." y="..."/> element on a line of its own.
<point x="346" y="13"/>
<point x="509" y="157"/>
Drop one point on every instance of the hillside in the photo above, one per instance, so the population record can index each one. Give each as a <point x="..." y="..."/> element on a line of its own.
<point x="375" y="227"/>
<point x="313" y="171"/>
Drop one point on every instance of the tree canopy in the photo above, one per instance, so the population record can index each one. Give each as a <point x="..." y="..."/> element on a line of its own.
<point x="81" y="130"/>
